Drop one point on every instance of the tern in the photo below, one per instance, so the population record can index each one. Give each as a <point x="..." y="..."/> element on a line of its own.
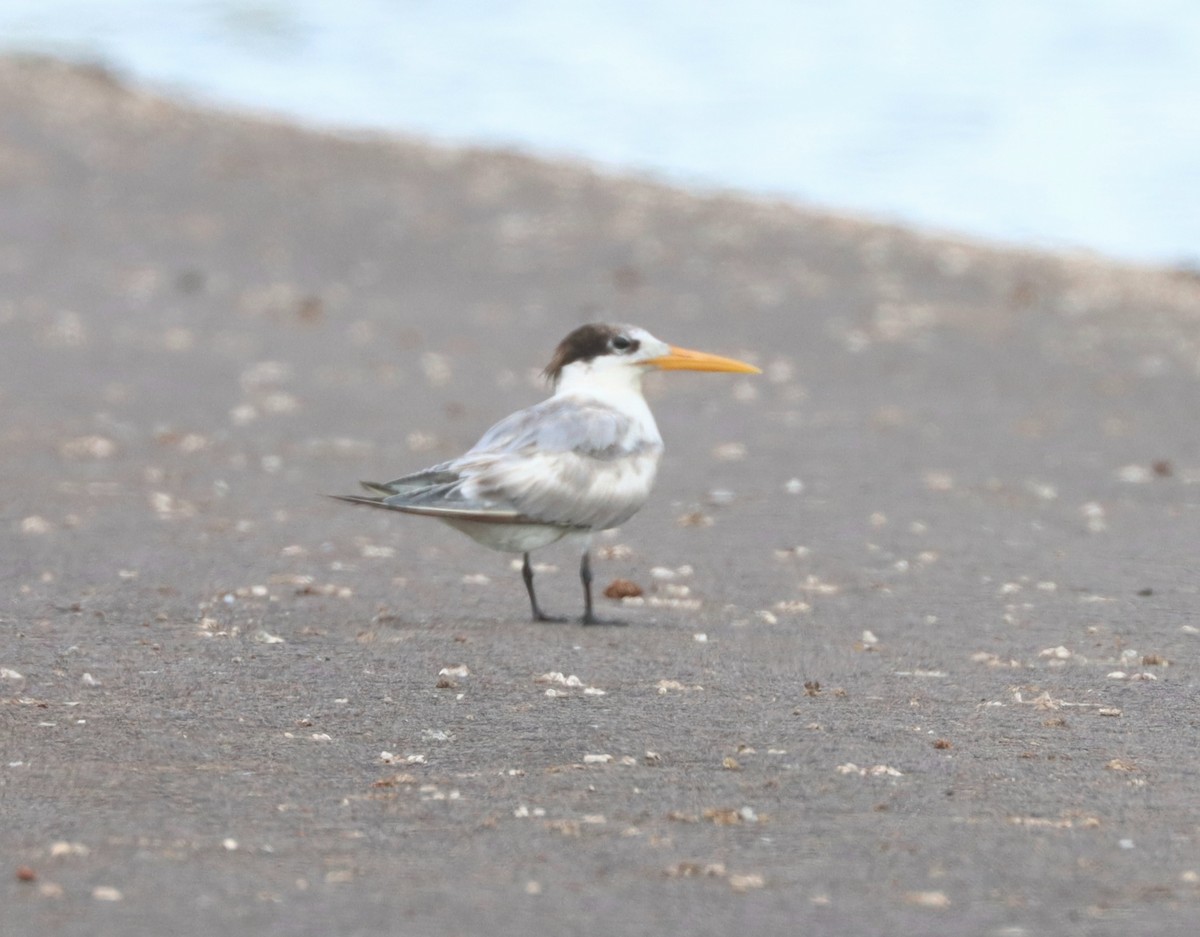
<point x="581" y="461"/>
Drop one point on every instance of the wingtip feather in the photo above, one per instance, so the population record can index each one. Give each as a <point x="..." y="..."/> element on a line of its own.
<point x="355" y="499"/>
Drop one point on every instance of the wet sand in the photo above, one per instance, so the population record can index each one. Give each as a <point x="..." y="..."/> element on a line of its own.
<point x="917" y="651"/>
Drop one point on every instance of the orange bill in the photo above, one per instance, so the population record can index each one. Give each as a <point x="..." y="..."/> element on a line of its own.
<point x="684" y="359"/>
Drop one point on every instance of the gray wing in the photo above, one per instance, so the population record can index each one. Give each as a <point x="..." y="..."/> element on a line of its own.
<point x="577" y="463"/>
<point x="432" y="477"/>
<point x="435" y="492"/>
<point x="560" y="424"/>
<point x="565" y="462"/>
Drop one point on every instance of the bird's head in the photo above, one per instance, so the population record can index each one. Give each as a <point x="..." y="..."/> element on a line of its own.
<point x="601" y="351"/>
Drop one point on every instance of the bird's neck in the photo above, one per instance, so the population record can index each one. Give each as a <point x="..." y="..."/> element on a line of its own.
<point x="584" y="379"/>
<point x="616" y="387"/>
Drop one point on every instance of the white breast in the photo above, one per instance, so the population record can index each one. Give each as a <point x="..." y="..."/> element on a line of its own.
<point x="509" y="538"/>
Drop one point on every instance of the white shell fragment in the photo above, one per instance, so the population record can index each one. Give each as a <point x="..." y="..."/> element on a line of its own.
<point x="873" y="771"/>
<point x="568" y="682"/>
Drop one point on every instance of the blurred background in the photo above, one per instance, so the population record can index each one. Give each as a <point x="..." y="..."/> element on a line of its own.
<point x="1057" y="124"/>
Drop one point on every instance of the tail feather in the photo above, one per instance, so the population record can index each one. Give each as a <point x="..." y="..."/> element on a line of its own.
<point x="359" y="499"/>
<point x="466" y="511"/>
<point x="436" y="475"/>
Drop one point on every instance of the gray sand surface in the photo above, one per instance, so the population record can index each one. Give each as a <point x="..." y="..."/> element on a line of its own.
<point x="918" y="649"/>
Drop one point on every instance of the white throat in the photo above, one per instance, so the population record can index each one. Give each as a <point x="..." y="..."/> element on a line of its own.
<point x="602" y="378"/>
<point x="615" y="384"/>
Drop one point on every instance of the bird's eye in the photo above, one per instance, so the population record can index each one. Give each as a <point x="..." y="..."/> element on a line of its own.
<point x="621" y="343"/>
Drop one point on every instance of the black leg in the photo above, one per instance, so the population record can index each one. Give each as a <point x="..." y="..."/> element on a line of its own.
<point x="527" y="575"/>
<point x="585" y="576"/>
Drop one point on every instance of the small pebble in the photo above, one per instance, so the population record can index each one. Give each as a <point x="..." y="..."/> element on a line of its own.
<point x="928" y="899"/>
<point x="741" y="883"/>
<point x="729" y="452"/>
<point x="623" y="589"/>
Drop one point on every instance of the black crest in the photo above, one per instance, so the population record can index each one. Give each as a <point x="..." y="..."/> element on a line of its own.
<point x="584" y="344"/>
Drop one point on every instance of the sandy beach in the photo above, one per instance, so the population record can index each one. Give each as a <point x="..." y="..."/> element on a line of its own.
<point x="917" y="650"/>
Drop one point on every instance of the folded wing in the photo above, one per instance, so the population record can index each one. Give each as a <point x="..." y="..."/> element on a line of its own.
<point x="568" y="461"/>
<point x="565" y="462"/>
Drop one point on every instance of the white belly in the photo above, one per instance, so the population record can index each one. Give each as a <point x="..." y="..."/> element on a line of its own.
<point x="510" y="538"/>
